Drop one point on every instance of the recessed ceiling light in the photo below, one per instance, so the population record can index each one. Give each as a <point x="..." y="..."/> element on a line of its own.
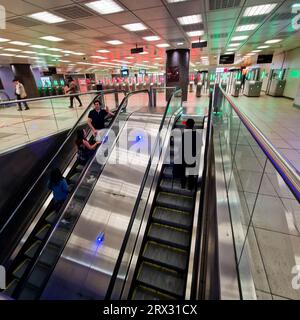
<point x="238" y="38"/>
<point x="234" y="44"/>
<point x="99" y="57"/>
<point x="250" y="54"/>
<point x="7" y="54"/>
<point x="259" y="10"/>
<point x="175" y="1"/>
<point x="158" y="58"/>
<point x="54" y="49"/>
<point x="121" y="61"/>
<point x="20" y="43"/>
<point x="129" y="58"/>
<point x="78" y="53"/>
<point x="151" y="38"/>
<point x="38" y="46"/>
<point x="273" y="41"/>
<point x="163" y="45"/>
<point x="103" y="51"/>
<point x="55" y="55"/>
<point x="135" y="26"/>
<point x="114" y="42"/>
<point x="180" y="43"/>
<point x="43" y="54"/>
<point x="46" y="17"/>
<point x="196" y="33"/>
<point x="192" y="19"/>
<point x="263" y="47"/>
<point x="66" y="61"/>
<point x="246" y="27"/>
<point x="104" y="6"/>
<point x="29" y="52"/>
<point x="12" y="49"/>
<point x="146" y="61"/>
<point x="144" y="52"/>
<point x="51" y="38"/>
<point x="229" y="52"/>
<point x="256" y="51"/>
<point x="21" y="56"/>
<point x="4" y="40"/>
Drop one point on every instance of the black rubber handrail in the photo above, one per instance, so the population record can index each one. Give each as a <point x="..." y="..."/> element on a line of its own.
<point x="135" y="209"/>
<point x="34" y="261"/>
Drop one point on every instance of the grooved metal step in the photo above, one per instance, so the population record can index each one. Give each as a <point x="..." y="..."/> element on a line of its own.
<point x="11" y="287"/>
<point x="172" y="201"/>
<point x="144" y="293"/>
<point x="167" y="256"/>
<point x="174" y="186"/>
<point x="169" y="235"/>
<point x="74" y="178"/>
<point x="29" y="293"/>
<point x="49" y="255"/>
<point x="51" y="218"/>
<point x="19" y="271"/>
<point x="172" y="217"/>
<point x="38" y="276"/>
<point x="32" y="249"/>
<point x="59" y="237"/>
<point x="168" y="172"/>
<point x="161" y="278"/>
<point x="43" y="232"/>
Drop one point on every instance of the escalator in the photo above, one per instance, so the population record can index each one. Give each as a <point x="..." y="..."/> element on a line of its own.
<point x="162" y="266"/>
<point x="27" y="210"/>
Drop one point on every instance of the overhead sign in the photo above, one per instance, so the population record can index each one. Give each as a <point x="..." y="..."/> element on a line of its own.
<point x="137" y="50"/>
<point x="200" y="44"/>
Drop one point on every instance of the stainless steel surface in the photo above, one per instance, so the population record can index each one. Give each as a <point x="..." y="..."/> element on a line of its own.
<point x="286" y="170"/>
<point x="196" y="217"/>
<point x="229" y="285"/>
<point x="85" y="267"/>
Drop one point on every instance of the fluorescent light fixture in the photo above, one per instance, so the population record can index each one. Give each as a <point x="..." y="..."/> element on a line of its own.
<point x="21" y="56"/>
<point x="263" y="47"/>
<point x="273" y="41"/>
<point x="51" y="38"/>
<point x="99" y="57"/>
<point x="135" y="26"/>
<point x="7" y="54"/>
<point x="259" y="10"/>
<point x="158" y="58"/>
<point x="43" y="54"/>
<point x="114" y="42"/>
<point x="234" y="44"/>
<point x="20" y="43"/>
<point x="66" y="61"/>
<point x="46" y="17"/>
<point x="12" y="49"/>
<point x="103" y="51"/>
<point x="175" y="1"/>
<point x="146" y="61"/>
<point x="38" y="46"/>
<point x="104" y="6"/>
<point x="246" y="27"/>
<point x="250" y="54"/>
<point x="180" y="43"/>
<point x="196" y="33"/>
<point x="121" y="61"/>
<point x="229" y="52"/>
<point x="256" y="51"/>
<point x="4" y="40"/>
<point x="151" y="38"/>
<point x="144" y="52"/>
<point x="55" y="55"/>
<point x="163" y="45"/>
<point x="238" y="38"/>
<point x="129" y="58"/>
<point x="78" y="53"/>
<point x="192" y="19"/>
<point x="54" y="49"/>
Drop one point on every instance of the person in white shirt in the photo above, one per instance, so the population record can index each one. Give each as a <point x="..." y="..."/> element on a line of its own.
<point x="21" y="94"/>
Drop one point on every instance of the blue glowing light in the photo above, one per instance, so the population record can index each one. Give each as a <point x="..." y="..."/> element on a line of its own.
<point x="100" y="238"/>
<point x="138" y="138"/>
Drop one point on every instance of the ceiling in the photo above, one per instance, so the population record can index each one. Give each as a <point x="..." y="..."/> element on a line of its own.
<point x="85" y="31"/>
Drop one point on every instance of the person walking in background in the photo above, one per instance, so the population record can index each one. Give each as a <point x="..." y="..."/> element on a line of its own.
<point x="21" y="94"/>
<point x="73" y="89"/>
<point x="58" y="185"/>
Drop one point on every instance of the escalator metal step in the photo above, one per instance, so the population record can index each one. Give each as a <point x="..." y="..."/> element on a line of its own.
<point x="43" y="232"/>
<point x="160" y="278"/>
<point x="38" y="276"/>
<point x="168" y="172"/>
<point x="51" y="218"/>
<point x="74" y="178"/>
<point x="59" y="237"/>
<point x="20" y="270"/>
<point x="29" y="293"/>
<point x="33" y="249"/>
<point x="167" y="256"/>
<point x="174" y="186"/>
<point x="11" y="287"/>
<point x="49" y="255"/>
<point x="176" y="237"/>
<point x="172" y="201"/>
<point x="144" y="293"/>
<point x="172" y="217"/>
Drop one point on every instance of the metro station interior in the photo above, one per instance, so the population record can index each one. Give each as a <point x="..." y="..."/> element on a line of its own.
<point x="213" y="82"/>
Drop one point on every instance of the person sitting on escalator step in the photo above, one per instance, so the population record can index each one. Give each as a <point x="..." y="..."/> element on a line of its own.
<point x="84" y="148"/>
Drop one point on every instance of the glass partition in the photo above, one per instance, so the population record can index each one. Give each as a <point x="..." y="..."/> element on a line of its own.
<point x="265" y="214"/>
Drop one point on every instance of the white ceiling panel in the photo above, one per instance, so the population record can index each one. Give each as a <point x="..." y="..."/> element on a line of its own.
<point x="112" y="30"/>
<point x="19" y="7"/>
<point x="48" y="4"/>
<point x="148" y="14"/>
<point x="179" y="9"/>
<point x="221" y="15"/>
<point x="161" y="23"/>
<point x="122" y="18"/>
<point x="140" y="4"/>
<point x="95" y="22"/>
<point x="49" y="29"/>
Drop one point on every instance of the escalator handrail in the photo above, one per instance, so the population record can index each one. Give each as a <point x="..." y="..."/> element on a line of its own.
<point x="136" y="206"/>
<point x="62" y="210"/>
<point x="288" y="172"/>
<point x="62" y="96"/>
<point x="53" y="158"/>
